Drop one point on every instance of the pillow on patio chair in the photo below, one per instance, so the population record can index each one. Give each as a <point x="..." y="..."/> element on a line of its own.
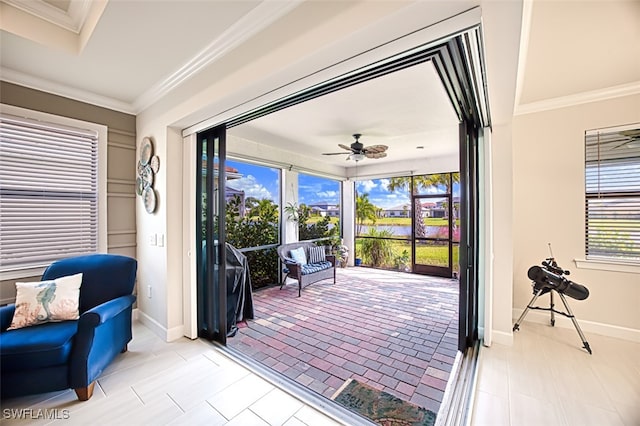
<point x="299" y="256"/>
<point x="316" y="254"/>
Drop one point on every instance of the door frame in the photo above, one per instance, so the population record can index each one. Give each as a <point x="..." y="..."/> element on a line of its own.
<point x="426" y="269"/>
<point x="458" y="64"/>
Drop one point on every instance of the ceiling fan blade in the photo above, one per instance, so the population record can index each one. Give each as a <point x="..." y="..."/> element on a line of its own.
<point x="375" y="148"/>
<point x="344" y="147"/>
<point x="334" y="153"/>
<point x="369" y="154"/>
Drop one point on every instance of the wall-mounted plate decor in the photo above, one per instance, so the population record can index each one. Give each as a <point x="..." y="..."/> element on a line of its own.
<point x="147" y="176"/>
<point x="146" y="168"/>
<point x="149" y="199"/>
<point x="139" y="185"/>
<point x="146" y="151"/>
<point x="155" y="163"/>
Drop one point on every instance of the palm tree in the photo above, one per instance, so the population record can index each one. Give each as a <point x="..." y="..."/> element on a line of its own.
<point x="365" y="210"/>
<point x="423" y="181"/>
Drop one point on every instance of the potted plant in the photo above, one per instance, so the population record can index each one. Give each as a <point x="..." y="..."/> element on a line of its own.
<point x="401" y="261"/>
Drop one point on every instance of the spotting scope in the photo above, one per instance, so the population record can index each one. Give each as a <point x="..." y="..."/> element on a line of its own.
<point x="550" y="276"/>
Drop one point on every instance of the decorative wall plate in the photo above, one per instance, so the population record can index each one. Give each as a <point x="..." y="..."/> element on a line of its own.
<point x="155" y="163"/>
<point x="139" y="185"/>
<point x="146" y="151"/>
<point x="147" y="176"/>
<point x="140" y="168"/>
<point x="149" y="199"/>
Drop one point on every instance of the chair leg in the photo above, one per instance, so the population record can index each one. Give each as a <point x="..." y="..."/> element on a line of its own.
<point x="126" y="348"/>
<point x="299" y="288"/>
<point x="85" y="393"/>
<point x="284" y="280"/>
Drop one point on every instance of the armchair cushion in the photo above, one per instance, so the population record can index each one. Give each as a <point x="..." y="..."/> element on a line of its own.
<point x="40" y="346"/>
<point x="46" y="301"/>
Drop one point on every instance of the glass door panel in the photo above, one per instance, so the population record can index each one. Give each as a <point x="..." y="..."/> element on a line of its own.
<point x="210" y="223"/>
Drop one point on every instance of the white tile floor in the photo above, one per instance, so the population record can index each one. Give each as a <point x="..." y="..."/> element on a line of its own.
<point x="545" y="378"/>
<point x="180" y="383"/>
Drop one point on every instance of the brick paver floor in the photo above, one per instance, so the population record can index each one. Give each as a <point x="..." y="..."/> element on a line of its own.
<point x="395" y="331"/>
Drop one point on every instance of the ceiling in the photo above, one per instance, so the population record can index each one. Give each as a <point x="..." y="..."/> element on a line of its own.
<point x="128" y="55"/>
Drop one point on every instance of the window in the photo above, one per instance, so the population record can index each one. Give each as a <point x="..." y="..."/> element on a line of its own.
<point x="319" y="209"/>
<point x="50" y="198"/>
<point x="252" y="194"/>
<point x="612" y="180"/>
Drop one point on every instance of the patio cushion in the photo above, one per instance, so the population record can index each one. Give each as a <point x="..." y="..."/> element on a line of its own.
<point x="316" y="254"/>
<point x="315" y="267"/>
<point x="299" y="256"/>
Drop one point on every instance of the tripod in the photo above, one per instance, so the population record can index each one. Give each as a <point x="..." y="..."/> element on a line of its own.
<point x="567" y="314"/>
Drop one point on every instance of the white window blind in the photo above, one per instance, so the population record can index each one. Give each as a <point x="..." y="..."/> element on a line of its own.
<point x="48" y="192"/>
<point x="612" y="177"/>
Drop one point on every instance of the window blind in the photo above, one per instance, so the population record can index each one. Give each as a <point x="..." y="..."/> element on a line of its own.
<point x="48" y="192"/>
<point x="612" y="182"/>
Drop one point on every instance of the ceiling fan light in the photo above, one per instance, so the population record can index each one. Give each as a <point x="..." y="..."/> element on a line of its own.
<point x="357" y="157"/>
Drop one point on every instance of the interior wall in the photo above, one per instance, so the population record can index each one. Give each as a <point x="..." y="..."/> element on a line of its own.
<point x="121" y="164"/>
<point x="549" y="203"/>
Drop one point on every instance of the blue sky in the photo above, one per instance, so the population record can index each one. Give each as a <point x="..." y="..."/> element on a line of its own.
<point x="262" y="182"/>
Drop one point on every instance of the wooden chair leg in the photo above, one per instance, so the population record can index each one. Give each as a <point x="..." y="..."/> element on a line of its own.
<point x="85" y="393"/>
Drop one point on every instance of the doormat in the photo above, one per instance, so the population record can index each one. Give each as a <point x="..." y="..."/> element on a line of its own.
<point x="381" y="407"/>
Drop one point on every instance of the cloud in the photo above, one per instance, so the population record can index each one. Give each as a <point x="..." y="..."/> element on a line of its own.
<point x="251" y="188"/>
<point x="367" y="185"/>
<point x="329" y="195"/>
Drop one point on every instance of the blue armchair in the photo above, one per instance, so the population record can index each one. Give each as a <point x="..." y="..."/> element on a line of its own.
<point x="71" y="354"/>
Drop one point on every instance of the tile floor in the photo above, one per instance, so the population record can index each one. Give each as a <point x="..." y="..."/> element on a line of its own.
<point x="545" y="378"/>
<point x="181" y="383"/>
<point x="395" y="331"/>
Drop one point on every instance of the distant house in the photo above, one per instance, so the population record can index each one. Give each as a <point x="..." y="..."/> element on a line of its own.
<point x="325" y="209"/>
<point x="231" y="173"/>
<point x="403" y="210"/>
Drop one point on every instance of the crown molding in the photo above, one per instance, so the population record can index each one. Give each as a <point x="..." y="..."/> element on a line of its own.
<point x="26" y="80"/>
<point x="579" y="98"/>
<point x="246" y="27"/>
<point x="70" y="20"/>
<point x="250" y="24"/>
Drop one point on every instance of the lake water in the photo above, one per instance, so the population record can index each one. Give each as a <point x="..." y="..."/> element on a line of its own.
<point x="399" y="230"/>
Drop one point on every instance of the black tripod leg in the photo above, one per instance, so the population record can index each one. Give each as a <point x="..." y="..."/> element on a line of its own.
<point x="575" y="324"/>
<point x="553" y="314"/>
<point x="516" y="326"/>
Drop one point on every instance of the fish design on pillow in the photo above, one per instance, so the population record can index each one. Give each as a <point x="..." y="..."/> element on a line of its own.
<point x="45" y="297"/>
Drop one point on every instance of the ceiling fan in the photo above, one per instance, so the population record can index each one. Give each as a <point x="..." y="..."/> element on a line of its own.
<point x="357" y="151"/>
<point x="630" y="139"/>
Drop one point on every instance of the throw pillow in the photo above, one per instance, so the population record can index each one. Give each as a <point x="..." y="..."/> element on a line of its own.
<point x="299" y="256"/>
<point x="47" y="301"/>
<point x="316" y="254"/>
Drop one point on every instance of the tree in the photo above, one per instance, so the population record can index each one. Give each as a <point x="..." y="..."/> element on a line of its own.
<point x="423" y="182"/>
<point x="365" y="210"/>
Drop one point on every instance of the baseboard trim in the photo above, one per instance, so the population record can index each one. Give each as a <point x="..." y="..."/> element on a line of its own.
<point x="608" y="330"/>
<point x="158" y="329"/>
<point x="502" y="337"/>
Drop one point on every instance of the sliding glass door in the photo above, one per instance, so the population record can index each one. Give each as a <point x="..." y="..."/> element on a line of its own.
<point x="210" y="205"/>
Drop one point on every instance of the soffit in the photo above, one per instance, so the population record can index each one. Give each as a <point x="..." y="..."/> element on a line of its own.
<point x="580" y="46"/>
<point x="404" y="110"/>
